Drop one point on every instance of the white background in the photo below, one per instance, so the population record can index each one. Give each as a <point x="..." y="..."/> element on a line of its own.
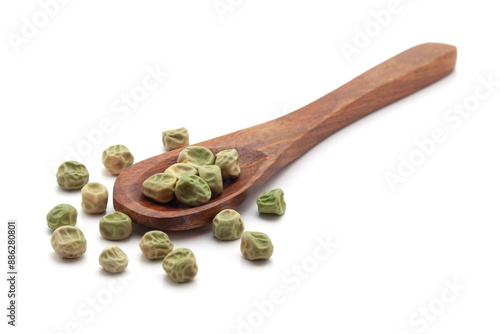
<point x="397" y="249"/>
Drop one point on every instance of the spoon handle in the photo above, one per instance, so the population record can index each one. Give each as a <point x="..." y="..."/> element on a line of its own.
<point x="290" y="136"/>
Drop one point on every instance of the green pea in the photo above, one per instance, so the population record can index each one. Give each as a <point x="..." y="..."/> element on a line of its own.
<point x="196" y="156"/>
<point x="156" y="245"/>
<point x="180" y="265"/>
<point x="173" y="139"/>
<point x="113" y="259"/>
<point x="68" y="242"/>
<point x="181" y="169"/>
<point x="160" y="187"/>
<point x="272" y="201"/>
<point x="228" y="161"/>
<point x="256" y="246"/>
<point x="115" y="226"/>
<point x="213" y="176"/>
<point x="192" y="190"/>
<point x="94" y="198"/>
<point x="227" y="225"/>
<point x="62" y="214"/>
<point x="116" y="158"/>
<point x="72" y="175"/>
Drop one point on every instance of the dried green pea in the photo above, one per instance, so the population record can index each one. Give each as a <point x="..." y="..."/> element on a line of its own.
<point x="180" y="265"/>
<point x="156" y="245"/>
<point x="213" y="176"/>
<point x="272" y="201"/>
<point x="113" y="259"/>
<point x="173" y="139"/>
<point x="72" y="175"/>
<point x="160" y="187"/>
<point x="115" y="226"/>
<point x="192" y="190"/>
<point x="196" y="156"/>
<point x="181" y="169"/>
<point x="68" y="242"/>
<point x="227" y="225"/>
<point x="256" y="246"/>
<point x="228" y="161"/>
<point x="94" y="198"/>
<point x="116" y="158"/>
<point x="61" y="215"/>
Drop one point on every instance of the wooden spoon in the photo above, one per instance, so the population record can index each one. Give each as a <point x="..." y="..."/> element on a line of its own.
<point x="266" y="148"/>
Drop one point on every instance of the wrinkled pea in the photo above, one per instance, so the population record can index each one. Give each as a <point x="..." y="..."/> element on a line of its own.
<point x="173" y="139"/>
<point x="212" y="175"/>
<point x="68" y="242"/>
<point x="113" y="259"/>
<point x="272" y="201"/>
<point x="62" y="214"/>
<point x="156" y="245"/>
<point x="181" y="169"/>
<point x="116" y="158"/>
<point x="227" y="225"/>
<point x="180" y="265"/>
<point x="192" y="190"/>
<point x="228" y="161"/>
<point x="160" y="187"/>
<point x="115" y="226"/>
<point x="256" y="246"/>
<point x="196" y="156"/>
<point x="94" y="198"/>
<point x="72" y="175"/>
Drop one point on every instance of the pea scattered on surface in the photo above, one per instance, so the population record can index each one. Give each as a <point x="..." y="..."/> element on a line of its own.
<point x="156" y="245"/>
<point x="113" y="259"/>
<point x="94" y="198"/>
<point x="196" y="156"/>
<point x="61" y="215"/>
<point x="173" y="139"/>
<point x="180" y="265"/>
<point x="160" y="187"/>
<point x="227" y="225"/>
<point x="256" y="246"/>
<point x="213" y="176"/>
<point x="272" y="201"/>
<point x="181" y="169"/>
<point x="115" y="226"/>
<point x="228" y="161"/>
<point x="192" y="190"/>
<point x="68" y="242"/>
<point x="72" y="175"/>
<point x="116" y="158"/>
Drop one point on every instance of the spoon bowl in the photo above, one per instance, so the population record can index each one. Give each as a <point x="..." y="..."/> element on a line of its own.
<point x="175" y="216"/>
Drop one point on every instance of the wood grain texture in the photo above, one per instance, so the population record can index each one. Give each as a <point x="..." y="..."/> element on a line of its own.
<point x="266" y="148"/>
